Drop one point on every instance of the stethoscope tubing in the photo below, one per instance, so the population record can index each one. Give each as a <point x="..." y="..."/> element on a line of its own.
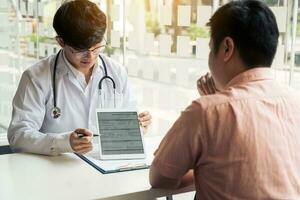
<point x="56" y="112"/>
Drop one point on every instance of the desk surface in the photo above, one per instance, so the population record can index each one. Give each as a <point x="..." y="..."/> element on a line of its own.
<point x="29" y="176"/>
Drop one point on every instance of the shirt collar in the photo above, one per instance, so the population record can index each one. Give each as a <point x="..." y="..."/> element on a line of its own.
<point x="76" y="73"/>
<point x="60" y="66"/>
<point x="100" y="64"/>
<point x="255" y="74"/>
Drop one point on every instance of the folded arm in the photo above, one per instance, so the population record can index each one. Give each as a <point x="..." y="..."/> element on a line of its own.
<point x="159" y="181"/>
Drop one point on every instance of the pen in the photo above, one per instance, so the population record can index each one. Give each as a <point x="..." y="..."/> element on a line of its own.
<point x="80" y="135"/>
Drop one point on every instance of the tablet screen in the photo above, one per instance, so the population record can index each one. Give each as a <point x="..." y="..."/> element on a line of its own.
<point x="120" y="133"/>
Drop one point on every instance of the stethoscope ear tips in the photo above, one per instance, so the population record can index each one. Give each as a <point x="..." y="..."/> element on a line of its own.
<point x="56" y="112"/>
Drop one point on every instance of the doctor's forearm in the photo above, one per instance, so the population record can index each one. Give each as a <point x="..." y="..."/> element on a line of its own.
<point x="40" y="143"/>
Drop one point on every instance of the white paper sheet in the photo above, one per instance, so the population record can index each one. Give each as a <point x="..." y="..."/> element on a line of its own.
<point x="147" y="68"/>
<point x="41" y="9"/>
<point x="26" y="28"/>
<point x="31" y="48"/>
<point x="5" y="41"/>
<point x="4" y="21"/>
<point x="183" y="46"/>
<point x="203" y="15"/>
<point x="133" y="67"/>
<point x="133" y="42"/>
<point x="41" y="28"/>
<point x="147" y="97"/>
<point x="202" y="48"/>
<point x="182" y="75"/>
<point x="115" y="39"/>
<point x="165" y="43"/>
<point x="4" y="5"/>
<point x="278" y="61"/>
<point x="165" y="15"/>
<point x="42" y="49"/>
<point x="280" y="14"/>
<point x="184" y="15"/>
<point x="163" y="103"/>
<point x="30" y="8"/>
<point x="23" y="8"/>
<point x="164" y="73"/>
<point x="115" y="12"/>
<point x="149" y="42"/>
<point x="50" y="49"/>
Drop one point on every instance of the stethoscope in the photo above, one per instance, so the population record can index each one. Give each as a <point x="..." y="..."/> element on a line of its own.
<point x="56" y="111"/>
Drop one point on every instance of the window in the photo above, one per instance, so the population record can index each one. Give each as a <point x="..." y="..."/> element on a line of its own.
<point x="162" y="43"/>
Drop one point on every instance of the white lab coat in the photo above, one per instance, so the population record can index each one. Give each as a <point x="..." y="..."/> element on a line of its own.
<point x="32" y="127"/>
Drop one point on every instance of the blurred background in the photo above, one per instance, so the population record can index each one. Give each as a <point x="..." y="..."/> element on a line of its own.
<point x="162" y="43"/>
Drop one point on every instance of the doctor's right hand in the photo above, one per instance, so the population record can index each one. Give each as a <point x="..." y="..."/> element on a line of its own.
<point x="81" y="140"/>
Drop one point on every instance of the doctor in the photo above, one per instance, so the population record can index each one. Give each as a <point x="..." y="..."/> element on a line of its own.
<point x="57" y="97"/>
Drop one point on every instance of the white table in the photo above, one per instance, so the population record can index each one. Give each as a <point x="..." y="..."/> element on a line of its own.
<point x="28" y="176"/>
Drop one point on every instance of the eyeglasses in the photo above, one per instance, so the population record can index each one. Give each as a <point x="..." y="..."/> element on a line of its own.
<point x="83" y="53"/>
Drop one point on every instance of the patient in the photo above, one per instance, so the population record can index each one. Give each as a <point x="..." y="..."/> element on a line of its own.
<point x="241" y="139"/>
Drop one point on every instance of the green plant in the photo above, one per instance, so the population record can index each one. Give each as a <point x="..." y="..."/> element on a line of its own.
<point x="33" y="37"/>
<point x="194" y="31"/>
<point x="152" y="25"/>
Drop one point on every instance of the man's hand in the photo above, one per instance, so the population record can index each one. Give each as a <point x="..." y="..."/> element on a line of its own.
<point x="145" y="120"/>
<point x="81" y="140"/>
<point x="206" y="85"/>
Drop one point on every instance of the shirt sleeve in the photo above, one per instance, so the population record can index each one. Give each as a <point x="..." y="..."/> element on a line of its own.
<point x="181" y="148"/>
<point x="27" y="118"/>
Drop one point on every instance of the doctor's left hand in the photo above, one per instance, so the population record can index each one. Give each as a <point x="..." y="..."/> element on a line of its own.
<point x="81" y="140"/>
<point x="145" y="120"/>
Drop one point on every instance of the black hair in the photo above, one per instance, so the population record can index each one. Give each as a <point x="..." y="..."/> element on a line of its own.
<point x="80" y="23"/>
<point x="253" y="28"/>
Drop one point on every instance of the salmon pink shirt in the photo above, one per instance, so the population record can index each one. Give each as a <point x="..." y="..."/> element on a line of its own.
<point x="243" y="142"/>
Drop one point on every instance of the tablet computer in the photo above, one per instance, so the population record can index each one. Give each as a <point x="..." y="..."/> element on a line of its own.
<point x="120" y="134"/>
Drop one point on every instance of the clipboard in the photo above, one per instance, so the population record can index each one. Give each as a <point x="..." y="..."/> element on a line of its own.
<point x="116" y="166"/>
<point x="108" y="166"/>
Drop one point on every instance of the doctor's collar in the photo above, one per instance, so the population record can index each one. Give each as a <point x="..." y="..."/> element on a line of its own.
<point x="76" y="73"/>
<point x="61" y="64"/>
<point x="99" y="63"/>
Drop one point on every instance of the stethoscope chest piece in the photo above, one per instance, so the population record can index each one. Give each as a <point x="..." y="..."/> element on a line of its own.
<point x="56" y="112"/>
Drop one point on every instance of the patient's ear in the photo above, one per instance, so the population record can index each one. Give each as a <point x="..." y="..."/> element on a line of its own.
<point x="228" y="48"/>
